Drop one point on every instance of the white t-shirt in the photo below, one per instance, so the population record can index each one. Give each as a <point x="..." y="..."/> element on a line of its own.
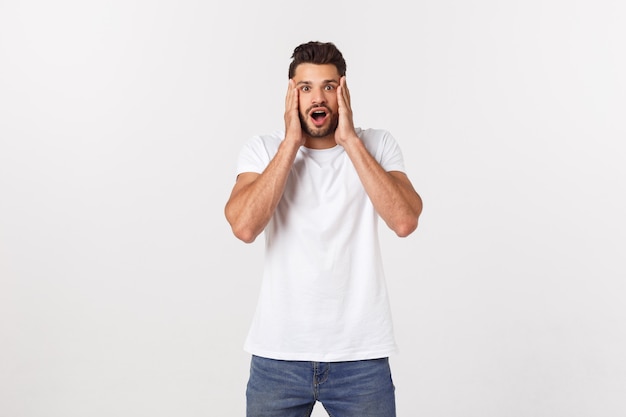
<point x="323" y="296"/>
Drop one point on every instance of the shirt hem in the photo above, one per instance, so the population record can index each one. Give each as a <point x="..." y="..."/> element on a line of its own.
<point x="324" y="357"/>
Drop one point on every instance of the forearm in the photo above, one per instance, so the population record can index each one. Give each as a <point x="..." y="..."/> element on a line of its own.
<point x="252" y="202"/>
<point x="392" y="194"/>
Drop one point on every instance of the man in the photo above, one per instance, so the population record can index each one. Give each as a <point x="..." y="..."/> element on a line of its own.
<point x="322" y="330"/>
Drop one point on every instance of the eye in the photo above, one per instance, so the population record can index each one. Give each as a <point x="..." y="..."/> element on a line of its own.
<point x="329" y="88"/>
<point x="305" y="88"/>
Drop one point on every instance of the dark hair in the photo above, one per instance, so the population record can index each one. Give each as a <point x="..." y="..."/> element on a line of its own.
<point x="317" y="53"/>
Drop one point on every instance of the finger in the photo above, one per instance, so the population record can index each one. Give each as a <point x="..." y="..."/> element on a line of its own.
<point x="340" y="101"/>
<point x="288" y="96"/>
<point x="291" y="101"/>
<point x="345" y="93"/>
<point x="344" y="87"/>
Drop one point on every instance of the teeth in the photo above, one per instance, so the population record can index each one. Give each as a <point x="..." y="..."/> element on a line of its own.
<point x="318" y="114"/>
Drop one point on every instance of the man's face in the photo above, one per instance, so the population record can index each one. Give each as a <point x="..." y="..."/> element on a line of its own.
<point x="317" y="85"/>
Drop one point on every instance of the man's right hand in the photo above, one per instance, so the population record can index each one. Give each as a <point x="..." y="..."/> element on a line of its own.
<point x="293" y="128"/>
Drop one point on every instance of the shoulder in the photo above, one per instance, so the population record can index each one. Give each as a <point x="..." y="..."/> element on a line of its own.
<point x="257" y="151"/>
<point x="383" y="147"/>
<point x="267" y="140"/>
<point x="373" y="135"/>
<point x="374" y="138"/>
<point x="264" y="145"/>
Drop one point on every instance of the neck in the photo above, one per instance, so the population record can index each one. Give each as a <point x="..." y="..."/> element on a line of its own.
<point x="324" y="142"/>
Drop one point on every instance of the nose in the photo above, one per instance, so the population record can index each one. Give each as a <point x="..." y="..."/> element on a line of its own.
<point x="319" y="96"/>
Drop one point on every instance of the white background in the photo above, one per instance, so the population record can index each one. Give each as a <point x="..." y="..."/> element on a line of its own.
<point x="124" y="293"/>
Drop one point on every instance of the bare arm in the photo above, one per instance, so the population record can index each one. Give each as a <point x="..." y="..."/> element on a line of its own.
<point x="391" y="193"/>
<point x="255" y="196"/>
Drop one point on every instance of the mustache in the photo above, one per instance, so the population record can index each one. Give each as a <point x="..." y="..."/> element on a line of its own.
<point x="328" y="110"/>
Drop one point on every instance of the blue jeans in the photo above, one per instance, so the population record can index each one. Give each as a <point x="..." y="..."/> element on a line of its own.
<point x="346" y="389"/>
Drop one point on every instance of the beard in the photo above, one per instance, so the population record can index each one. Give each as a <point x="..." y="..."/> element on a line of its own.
<point x="319" y="132"/>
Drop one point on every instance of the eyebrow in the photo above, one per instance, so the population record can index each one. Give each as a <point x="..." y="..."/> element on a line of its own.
<point x="331" y="81"/>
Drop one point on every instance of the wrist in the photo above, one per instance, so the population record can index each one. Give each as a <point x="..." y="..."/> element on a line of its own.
<point x="292" y="140"/>
<point x="350" y="139"/>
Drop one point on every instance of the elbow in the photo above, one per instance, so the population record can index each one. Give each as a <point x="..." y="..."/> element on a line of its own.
<point x="405" y="227"/>
<point x="408" y="223"/>
<point x="241" y="230"/>
<point x="244" y="234"/>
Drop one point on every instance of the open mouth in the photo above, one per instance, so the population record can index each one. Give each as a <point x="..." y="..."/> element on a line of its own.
<point x="318" y="116"/>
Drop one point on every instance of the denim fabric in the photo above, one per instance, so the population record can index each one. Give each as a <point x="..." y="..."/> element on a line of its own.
<point x="279" y="388"/>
